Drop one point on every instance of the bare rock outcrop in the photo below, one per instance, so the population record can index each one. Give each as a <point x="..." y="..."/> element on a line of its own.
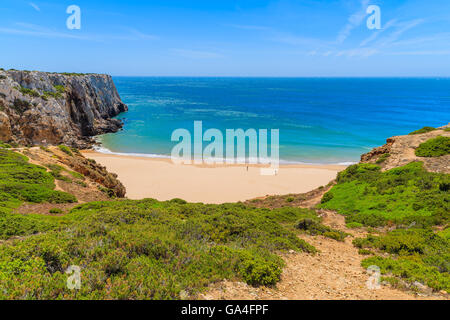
<point x="400" y="150"/>
<point x="40" y="108"/>
<point x="95" y="174"/>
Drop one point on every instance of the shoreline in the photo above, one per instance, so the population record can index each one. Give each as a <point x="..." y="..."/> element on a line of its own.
<point x="161" y="179"/>
<point x="103" y="150"/>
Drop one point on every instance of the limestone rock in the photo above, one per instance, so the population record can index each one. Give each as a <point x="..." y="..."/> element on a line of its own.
<point x="49" y="108"/>
<point x="5" y="127"/>
<point x="402" y="151"/>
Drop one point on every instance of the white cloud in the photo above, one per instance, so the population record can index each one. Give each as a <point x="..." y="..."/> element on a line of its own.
<point x="354" y="21"/>
<point x="35" y="6"/>
<point x="40" y="32"/>
<point x="440" y="38"/>
<point x="296" y="40"/>
<point x="141" y="35"/>
<point x="422" y="53"/>
<point x="28" y="29"/>
<point x="394" y="36"/>
<point x="375" y="34"/>
<point x="248" y="27"/>
<point x="358" y="52"/>
<point x="195" y="54"/>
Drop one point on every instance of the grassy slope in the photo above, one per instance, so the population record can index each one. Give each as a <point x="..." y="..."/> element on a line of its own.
<point x="21" y="181"/>
<point x="409" y="198"/>
<point x="402" y="195"/>
<point x="134" y="249"/>
<point x="162" y="250"/>
<point x="436" y="147"/>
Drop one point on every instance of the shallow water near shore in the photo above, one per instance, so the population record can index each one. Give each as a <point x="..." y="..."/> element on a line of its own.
<point x="321" y="120"/>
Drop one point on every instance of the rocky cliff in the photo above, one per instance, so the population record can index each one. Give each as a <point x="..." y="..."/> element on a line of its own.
<point x="51" y="108"/>
<point x="400" y="150"/>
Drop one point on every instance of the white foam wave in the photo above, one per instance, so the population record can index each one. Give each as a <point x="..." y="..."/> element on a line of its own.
<point x="102" y="149"/>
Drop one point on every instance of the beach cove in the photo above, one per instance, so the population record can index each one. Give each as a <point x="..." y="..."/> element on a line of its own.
<point x="161" y="179"/>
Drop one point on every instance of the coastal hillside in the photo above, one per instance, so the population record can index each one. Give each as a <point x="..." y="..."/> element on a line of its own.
<point x="393" y="208"/>
<point x="401" y="150"/>
<point x="42" y="108"/>
<point x="312" y="246"/>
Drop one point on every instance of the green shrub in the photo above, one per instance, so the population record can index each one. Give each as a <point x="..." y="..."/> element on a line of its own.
<point x="29" y="92"/>
<point x="416" y="255"/>
<point x="257" y="271"/>
<point x="66" y="150"/>
<point x="423" y="130"/>
<point x="61" y="197"/>
<point x="5" y="145"/>
<point x="401" y="195"/>
<point x="313" y="227"/>
<point x="49" y="94"/>
<point x="410" y="270"/>
<point x="81" y="183"/>
<point x="354" y="225"/>
<point x="148" y="250"/>
<point x="439" y="146"/>
<point x="20" y="106"/>
<point x="383" y="158"/>
<point x="56" y="172"/>
<point x="327" y="197"/>
<point x="56" y="211"/>
<point x="21" y="181"/>
<point x="132" y="249"/>
<point x="365" y="252"/>
<point x="60" y="89"/>
<point x="56" y="95"/>
<point x="289" y="199"/>
<point x="109" y="192"/>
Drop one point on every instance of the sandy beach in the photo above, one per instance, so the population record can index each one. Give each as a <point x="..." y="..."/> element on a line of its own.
<point x="163" y="180"/>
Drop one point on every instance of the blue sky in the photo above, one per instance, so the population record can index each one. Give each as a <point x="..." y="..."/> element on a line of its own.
<point x="228" y="37"/>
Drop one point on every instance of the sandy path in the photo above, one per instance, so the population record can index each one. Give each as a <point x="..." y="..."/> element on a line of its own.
<point x="334" y="273"/>
<point x="163" y="180"/>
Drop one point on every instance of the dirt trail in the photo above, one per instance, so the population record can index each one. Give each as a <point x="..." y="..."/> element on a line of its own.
<point x="334" y="273"/>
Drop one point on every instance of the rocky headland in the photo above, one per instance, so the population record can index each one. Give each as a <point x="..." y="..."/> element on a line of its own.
<point x="41" y="108"/>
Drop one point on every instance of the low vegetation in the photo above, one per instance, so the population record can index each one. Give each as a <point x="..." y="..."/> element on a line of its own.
<point x="383" y="158"/>
<point x="57" y="94"/>
<point x="74" y="74"/>
<point x="149" y="249"/>
<point x="436" y="147"/>
<point x="408" y="199"/>
<point x="423" y="130"/>
<point x="401" y="195"/>
<point x="20" y="106"/>
<point x="19" y="182"/>
<point x="313" y="227"/>
<point x="415" y="255"/>
<point x="65" y="149"/>
<point x="63" y="174"/>
<point x="29" y="92"/>
<point x="133" y="249"/>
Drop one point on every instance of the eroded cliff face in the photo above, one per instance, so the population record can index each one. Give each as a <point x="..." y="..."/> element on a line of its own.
<point x="400" y="150"/>
<point x="40" y="108"/>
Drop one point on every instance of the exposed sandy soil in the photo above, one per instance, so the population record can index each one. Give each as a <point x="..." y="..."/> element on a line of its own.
<point x="402" y="151"/>
<point x="84" y="193"/>
<point x="334" y="273"/>
<point x="161" y="179"/>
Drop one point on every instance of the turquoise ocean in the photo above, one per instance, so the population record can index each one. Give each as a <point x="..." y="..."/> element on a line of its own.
<point x="321" y="120"/>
